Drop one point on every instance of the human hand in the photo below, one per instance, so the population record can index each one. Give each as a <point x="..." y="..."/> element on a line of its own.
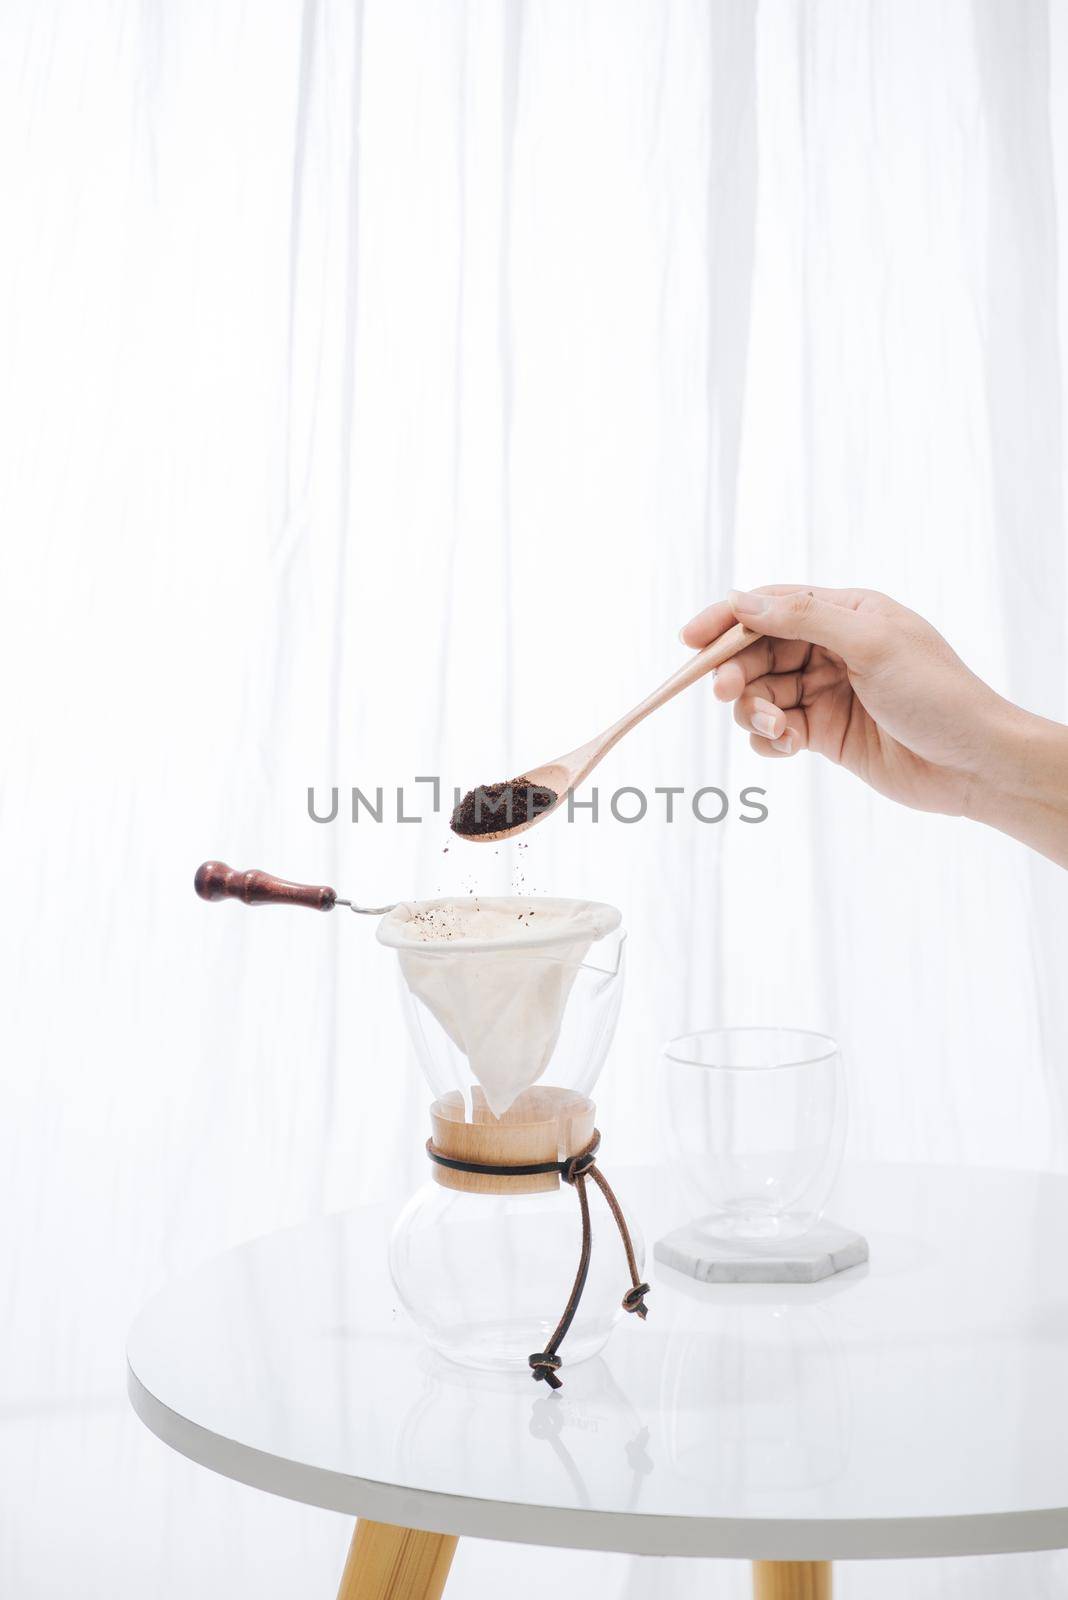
<point x="861" y="680"/>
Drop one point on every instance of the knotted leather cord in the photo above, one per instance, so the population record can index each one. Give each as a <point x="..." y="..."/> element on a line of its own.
<point x="545" y="1364"/>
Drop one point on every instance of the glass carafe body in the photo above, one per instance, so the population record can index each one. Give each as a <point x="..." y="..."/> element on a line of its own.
<point x="486" y="1276"/>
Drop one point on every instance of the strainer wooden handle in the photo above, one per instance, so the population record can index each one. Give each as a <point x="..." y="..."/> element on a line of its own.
<point x="216" y="881"/>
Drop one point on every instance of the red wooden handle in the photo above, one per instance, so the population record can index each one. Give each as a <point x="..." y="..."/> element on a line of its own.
<point x="216" y="881"/>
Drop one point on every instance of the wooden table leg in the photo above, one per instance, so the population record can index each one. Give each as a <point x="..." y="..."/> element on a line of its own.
<point x="791" y="1580"/>
<point x="387" y="1563"/>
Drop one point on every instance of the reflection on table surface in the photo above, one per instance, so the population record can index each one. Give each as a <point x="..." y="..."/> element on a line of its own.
<point x="932" y="1382"/>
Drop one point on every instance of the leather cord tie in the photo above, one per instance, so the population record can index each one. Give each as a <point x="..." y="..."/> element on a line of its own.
<point x="575" y="1170"/>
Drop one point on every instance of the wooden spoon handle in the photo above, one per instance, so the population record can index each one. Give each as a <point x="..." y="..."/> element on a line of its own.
<point x="216" y="881"/>
<point x="575" y="768"/>
<point x="713" y="655"/>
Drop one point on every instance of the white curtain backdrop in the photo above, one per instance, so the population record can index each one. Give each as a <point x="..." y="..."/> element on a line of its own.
<point x="381" y="387"/>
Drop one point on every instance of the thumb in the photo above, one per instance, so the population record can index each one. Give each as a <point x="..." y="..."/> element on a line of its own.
<point x="802" y="614"/>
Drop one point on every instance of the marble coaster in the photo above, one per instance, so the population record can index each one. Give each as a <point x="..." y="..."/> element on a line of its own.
<point x="820" y="1253"/>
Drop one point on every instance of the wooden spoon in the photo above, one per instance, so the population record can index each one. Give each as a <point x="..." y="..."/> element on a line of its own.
<point x="566" y="773"/>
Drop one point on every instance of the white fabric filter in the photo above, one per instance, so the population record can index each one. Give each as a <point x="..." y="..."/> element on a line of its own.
<point x="497" y="975"/>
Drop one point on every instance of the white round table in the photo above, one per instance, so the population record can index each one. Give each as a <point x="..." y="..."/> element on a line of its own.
<point x="916" y="1406"/>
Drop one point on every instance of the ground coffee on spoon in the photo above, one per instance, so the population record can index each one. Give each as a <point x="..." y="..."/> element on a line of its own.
<point x="495" y="806"/>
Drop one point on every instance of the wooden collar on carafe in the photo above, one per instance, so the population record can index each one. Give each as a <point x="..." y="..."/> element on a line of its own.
<point x="543" y="1124"/>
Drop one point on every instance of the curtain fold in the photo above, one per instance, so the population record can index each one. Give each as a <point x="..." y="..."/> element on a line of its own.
<point x="384" y="384"/>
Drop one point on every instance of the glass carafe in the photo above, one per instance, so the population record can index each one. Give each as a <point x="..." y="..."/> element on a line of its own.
<point x="511" y="1034"/>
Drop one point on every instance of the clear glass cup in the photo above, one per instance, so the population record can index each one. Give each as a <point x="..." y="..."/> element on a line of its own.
<point x="755" y="1123"/>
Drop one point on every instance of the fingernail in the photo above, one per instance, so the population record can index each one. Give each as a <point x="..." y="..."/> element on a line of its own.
<point x="764" y="722"/>
<point x="785" y="744"/>
<point x="744" y="600"/>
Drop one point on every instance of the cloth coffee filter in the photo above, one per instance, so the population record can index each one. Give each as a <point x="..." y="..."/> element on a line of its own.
<point x="497" y="973"/>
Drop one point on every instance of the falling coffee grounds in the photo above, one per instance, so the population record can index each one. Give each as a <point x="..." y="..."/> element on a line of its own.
<point x="493" y="807"/>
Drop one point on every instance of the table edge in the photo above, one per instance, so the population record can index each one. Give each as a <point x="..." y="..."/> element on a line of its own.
<point x="623" y="1532"/>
